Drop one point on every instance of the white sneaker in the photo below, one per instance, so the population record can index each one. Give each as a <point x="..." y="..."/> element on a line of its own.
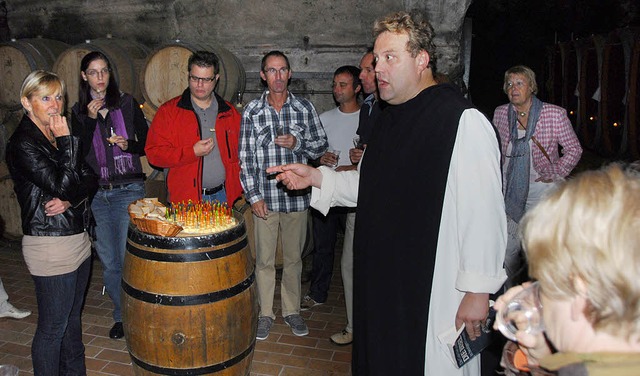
<point x="15" y="313"/>
<point x="342" y="338"/>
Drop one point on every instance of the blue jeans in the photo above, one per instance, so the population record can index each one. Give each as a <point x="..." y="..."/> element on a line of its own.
<point x="57" y="347"/>
<point x="221" y="196"/>
<point x="112" y="222"/>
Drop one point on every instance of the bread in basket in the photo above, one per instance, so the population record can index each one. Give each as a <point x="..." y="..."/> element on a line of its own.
<point x="148" y="215"/>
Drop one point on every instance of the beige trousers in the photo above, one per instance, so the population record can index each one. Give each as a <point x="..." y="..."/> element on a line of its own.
<point x="293" y="227"/>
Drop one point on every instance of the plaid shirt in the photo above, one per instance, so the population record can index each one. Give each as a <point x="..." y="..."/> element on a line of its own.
<point x="553" y="129"/>
<point x="258" y="150"/>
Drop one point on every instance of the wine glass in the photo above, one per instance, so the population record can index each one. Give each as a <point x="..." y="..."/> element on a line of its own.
<point x="9" y="370"/>
<point x="522" y="313"/>
<point x="357" y="144"/>
<point x="336" y="153"/>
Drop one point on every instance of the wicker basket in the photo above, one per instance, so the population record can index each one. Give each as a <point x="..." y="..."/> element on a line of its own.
<point x="155" y="227"/>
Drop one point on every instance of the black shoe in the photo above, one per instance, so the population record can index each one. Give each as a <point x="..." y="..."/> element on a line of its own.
<point x="117" y="331"/>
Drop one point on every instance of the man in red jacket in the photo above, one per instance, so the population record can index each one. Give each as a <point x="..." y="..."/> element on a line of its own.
<point x="195" y="136"/>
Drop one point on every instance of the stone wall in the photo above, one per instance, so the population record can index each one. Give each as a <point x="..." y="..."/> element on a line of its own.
<point x="318" y="35"/>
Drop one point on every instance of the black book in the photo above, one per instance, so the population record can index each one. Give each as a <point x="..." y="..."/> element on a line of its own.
<point x="462" y="349"/>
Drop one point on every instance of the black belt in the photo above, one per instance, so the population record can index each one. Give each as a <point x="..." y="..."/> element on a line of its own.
<point x="210" y="191"/>
<point x="108" y="187"/>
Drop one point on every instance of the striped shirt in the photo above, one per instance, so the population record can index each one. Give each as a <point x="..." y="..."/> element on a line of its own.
<point x="258" y="150"/>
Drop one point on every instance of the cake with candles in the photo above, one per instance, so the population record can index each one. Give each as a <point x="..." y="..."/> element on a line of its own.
<point x="201" y="218"/>
<point x="181" y="218"/>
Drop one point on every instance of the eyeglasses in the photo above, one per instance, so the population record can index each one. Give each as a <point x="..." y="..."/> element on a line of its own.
<point x="272" y="71"/>
<point x="519" y="84"/>
<point x="94" y="72"/>
<point x="206" y="80"/>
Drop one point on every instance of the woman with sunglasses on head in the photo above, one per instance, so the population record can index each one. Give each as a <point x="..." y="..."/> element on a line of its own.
<point x="113" y="132"/>
<point x="53" y="187"/>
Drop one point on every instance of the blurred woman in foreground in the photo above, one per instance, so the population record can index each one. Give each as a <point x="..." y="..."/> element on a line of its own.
<point x="53" y="188"/>
<point x="583" y="246"/>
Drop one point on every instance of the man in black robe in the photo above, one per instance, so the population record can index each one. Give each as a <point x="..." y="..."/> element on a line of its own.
<point x="431" y="231"/>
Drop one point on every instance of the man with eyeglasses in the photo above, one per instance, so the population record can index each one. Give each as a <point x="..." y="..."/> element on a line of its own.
<point x="278" y="128"/>
<point x="195" y="136"/>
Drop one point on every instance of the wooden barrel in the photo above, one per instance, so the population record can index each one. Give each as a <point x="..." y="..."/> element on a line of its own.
<point x="10" y="216"/>
<point x="20" y="57"/>
<point x="613" y="90"/>
<point x="553" y="82"/>
<point x="126" y="56"/>
<point x="189" y="304"/>
<point x="633" y="102"/>
<point x="165" y="74"/>
<point x="588" y="85"/>
<point x="569" y="81"/>
<point x="9" y="120"/>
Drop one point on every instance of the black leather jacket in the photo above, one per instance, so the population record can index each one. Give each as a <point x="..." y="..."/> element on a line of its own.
<point x="40" y="173"/>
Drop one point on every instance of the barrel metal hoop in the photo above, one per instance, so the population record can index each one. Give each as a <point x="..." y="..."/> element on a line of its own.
<point x="27" y="49"/>
<point x="194" y="371"/>
<point x="209" y="253"/>
<point x="188" y="300"/>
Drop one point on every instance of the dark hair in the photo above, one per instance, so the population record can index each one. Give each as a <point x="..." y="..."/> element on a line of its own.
<point x="112" y="96"/>
<point x="204" y="59"/>
<point x="353" y="71"/>
<point x="274" y="53"/>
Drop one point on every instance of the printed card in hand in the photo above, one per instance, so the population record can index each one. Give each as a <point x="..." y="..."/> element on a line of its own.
<point x="460" y="347"/>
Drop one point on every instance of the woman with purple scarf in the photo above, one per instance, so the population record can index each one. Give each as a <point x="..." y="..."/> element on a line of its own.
<point x="113" y="132"/>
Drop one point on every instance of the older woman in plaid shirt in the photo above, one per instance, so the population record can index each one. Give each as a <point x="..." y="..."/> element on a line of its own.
<point x="531" y="134"/>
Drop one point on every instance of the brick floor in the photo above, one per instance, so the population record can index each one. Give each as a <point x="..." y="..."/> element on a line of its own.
<point x="282" y="354"/>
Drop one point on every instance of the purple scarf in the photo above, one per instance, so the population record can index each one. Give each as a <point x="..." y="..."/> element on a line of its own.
<point x="122" y="162"/>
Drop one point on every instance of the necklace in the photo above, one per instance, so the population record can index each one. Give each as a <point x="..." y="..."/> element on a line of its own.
<point x="522" y="114"/>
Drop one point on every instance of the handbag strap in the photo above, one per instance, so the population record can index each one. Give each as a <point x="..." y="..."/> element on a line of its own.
<point x="535" y="141"/>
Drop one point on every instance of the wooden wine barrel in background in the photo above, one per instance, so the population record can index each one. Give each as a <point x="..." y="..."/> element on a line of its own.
<point x="165" y="74"/>
<point x="612" y="92"/>
<point x="588" y="84"/>
<point x="633" y="101"/>
<point x="569" y="80"/>
<point x="553" y="79"/>
<point x="126" y="56"/>
<point x="10" y="217"/>
<point x="189" y="304"/>
<point x="20" y="57"/>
